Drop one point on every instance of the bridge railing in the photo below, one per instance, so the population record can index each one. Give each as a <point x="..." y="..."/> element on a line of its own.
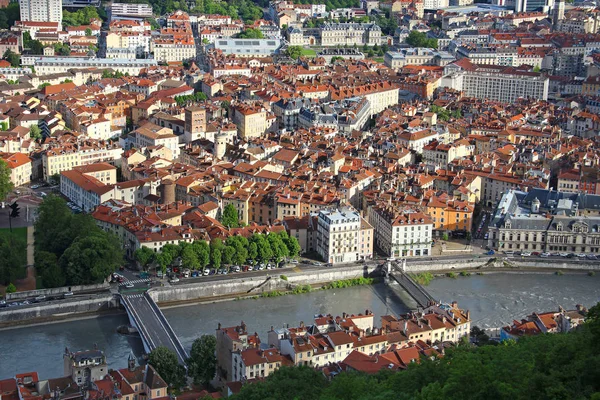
<point x="180" y="349"/>
<point x="144" y="334"/>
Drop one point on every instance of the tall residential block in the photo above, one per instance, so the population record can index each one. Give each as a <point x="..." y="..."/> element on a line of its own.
<point x="41" y="10"/>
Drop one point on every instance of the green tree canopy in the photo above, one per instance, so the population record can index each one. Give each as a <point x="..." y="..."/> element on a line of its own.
<point x="13" y="58"/>
<point x="85" y="253"/>
<point x="166" y="364"/>
<point x="202" y="363"/>
<point x="420" y="39"/>
<point x="13" y="251"/>
<point x="294" y="52"/>
<point x="144" y="256"/>
<point x="251" y="33"/>
<point x="35" y="132"/>
<point x="6" y="185"/>
<point x="230" y="216"/>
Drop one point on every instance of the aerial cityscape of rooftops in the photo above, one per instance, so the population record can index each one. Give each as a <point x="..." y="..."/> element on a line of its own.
<point x="160" y="154"/>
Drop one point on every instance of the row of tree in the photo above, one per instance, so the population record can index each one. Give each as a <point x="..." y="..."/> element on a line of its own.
<point x="70" y="249"/>
<point x="553" y="366"/>
<point x="235" y="250"/>
<point x="202" y="363"/>
<point x="190" y="98"/>
<point x="445" y="114"/>
<point x="82" y="16"/>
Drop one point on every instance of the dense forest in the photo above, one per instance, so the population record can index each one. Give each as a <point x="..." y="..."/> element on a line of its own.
<point x="552" y="366"/>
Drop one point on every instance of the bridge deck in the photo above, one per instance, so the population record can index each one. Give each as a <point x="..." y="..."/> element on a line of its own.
<point x="415" y="290"/>
<point x="154" y="329"/>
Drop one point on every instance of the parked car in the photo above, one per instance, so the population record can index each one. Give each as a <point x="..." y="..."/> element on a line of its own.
<point x="174" y="280"/>
<point x="570" y="255"/>
<point x="525" y="254"/>
<point x="563" y="254"/>
<point x="40" y="298"/>
<point x="509" y="252"/>
<point x="490" y="253"/>
<point x="195" y="274"/>
<point x="545" y="255"/>
<point x="67" y="294"/>
<point x="3" y="303"/>
<point x="591" y="257"/>
<point x="329" y="265"/>
<point x="320" y="264"/>
<point x="293" y="261"/>
<point x="205" y="272"/>
<point x="581" y="255"/>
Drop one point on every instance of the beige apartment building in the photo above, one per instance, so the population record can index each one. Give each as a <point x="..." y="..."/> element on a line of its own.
<point x="340" y="34"/>
<point x="151" y="134"/>
<point x="251" y="120"/>
<point x="20" y="167"/>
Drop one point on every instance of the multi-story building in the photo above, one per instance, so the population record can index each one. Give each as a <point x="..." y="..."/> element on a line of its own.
<point x="130" y="10"/>
<point x="248" y="47"/>
<point x="504" y="84"/>
<point x="546" y="221"/>
<point x="150" y="134"/>
<point x="45" y="65"/>
<point x="20" y="167"/>
<point x="63" y="158"/>
<point x="340" y="236"/>
<point x="350" y="34"/>
<point x="416" y="56"/>
<point x="253" y="363"/>
<point x="401" y="233"/>
<point x="41" y="10"/>
<point x="251" y="119"/>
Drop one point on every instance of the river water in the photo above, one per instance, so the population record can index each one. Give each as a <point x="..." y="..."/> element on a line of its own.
<point x="494" y="300"/>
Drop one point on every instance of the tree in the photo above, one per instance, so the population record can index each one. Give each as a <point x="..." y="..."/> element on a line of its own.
<point x="13" y="258"/>
<point x="11" y="288"/>
<point x="293" y="246"/>
<point x="252" y="251"/>
<point x="91" y="258"/>
<point x="202" y="252"/>
<point x="88" y="32"/>
<point x="227" y="255"/>
<point x="251" y="33"/>
<point x="13" y="58"/>
<point x="419" y="39"/>
<point x="164" y="259"/>
<point x="263" y="248"/>
<point x="230" y="216"/>
<point x="35" y="132"/>
<point x="537" y="68"/>
<point x="294" y="52"/>
<point x="189" y="258"/>
<point x="203" y="361"/>
<point x="6" y="185"/>
<point x="144" y="256"/>
<point x="215" y="258"/>
<point x="166" y="364"/>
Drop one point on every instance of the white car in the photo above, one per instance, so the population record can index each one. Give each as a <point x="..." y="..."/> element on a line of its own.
<point x="581" y="255"/>
<point x="545" y="255"/>
<point x="174" y="280"/>
<point x="563" y="254"/>
<point x="206" y="272"/>
<point x="526" y="254"/>
<point x="294" y="261"/>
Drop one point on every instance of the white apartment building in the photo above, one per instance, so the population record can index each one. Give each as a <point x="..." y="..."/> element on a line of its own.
<point x="41" y="10"/>
<point x="435" y="4"/>
<point x="401" y="233"/>
<point x="54" y="65"/>
<point x="339" y="236"/>
<point x="170" y="50"/>
<point x="497" y="83"/>
<point x="120" y="10"/>
<point x="59" y="159"/>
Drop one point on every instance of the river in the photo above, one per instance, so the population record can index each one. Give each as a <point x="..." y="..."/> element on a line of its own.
<point x="493" y="299"/>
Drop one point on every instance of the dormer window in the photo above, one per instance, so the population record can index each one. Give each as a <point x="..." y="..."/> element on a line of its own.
<point x="507" y="224"/>
<point x="559" y="227"/>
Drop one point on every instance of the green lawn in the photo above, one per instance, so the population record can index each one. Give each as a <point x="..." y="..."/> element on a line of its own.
<point x="308" y="52"/>
<point x="20" y="233"/>
<point x="378" y="59"/>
